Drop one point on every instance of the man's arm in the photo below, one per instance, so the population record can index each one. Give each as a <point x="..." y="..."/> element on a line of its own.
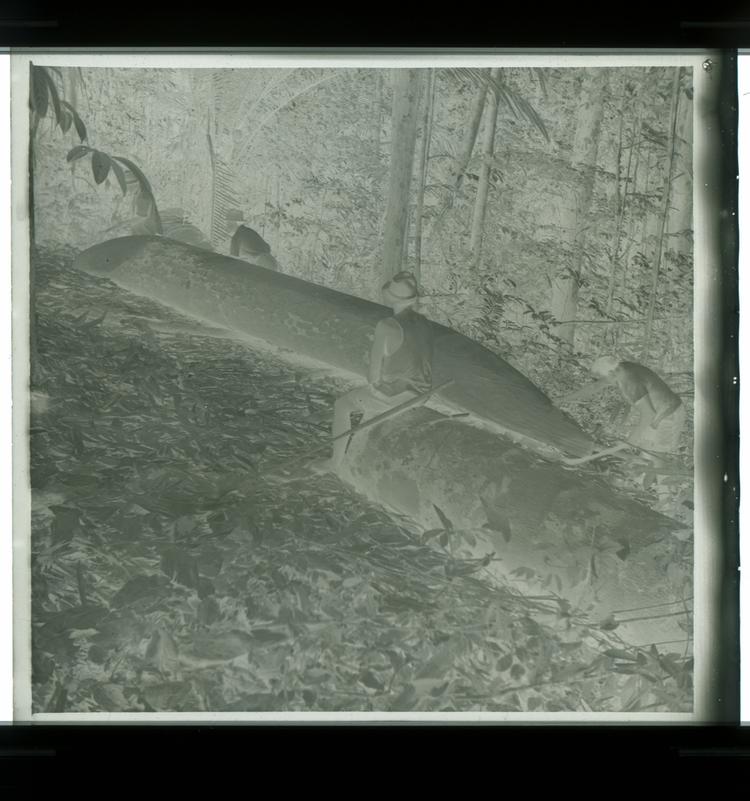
<point x="666" y="410"/>
<point x="382" y="345"/>
<point x="585" y="392"/>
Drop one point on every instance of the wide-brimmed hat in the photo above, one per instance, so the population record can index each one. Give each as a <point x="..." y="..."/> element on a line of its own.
<point x="402" y="288"/>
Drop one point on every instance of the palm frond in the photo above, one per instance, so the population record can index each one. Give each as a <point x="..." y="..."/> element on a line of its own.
<point x="145" y="188"/>
<point x="539" y="73"/>
<point x="512" y="100"/>
<point x="283" y="103"/>
<point x="224" y="201"/>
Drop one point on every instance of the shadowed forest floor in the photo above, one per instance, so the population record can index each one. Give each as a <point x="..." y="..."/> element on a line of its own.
<point x="157" y="585"/>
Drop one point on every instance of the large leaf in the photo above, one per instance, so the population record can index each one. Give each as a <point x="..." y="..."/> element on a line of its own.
<point x="78" y="152"/>
<point x="143" y="182"/>
<point x="77" y="121"/>
<point x="139" y="587"/>
<point x="145" y="187"/>
<point x="447" y="524"/>
<point x="66" y="120"/>
<point x="78" y="618"/>
<point x="144" y="203"/>
<point x="120" y="175"/>
<point x="100" y="165"/>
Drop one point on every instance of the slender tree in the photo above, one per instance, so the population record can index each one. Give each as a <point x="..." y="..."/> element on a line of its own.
<point x="377" y="116"/>
<point x="483" y="185"/>
<point x="680" y="222"/>
<point x="424" y="156"/>
<point x="666" y="194"/>
<point x="403" y="139"/>
<point x="622" y="207"/>
<point x="472" y="131"/>
<point x="575" y="214"/>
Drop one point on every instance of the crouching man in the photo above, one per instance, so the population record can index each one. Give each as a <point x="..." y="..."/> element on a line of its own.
<point x="657" y="414"/>
<point x="400" y="365"/>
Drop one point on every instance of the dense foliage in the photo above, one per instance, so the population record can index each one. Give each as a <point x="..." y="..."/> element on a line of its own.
<point x="303" y="156"/>
<point x="163" y="581"/>
<point x="556" y="230"/>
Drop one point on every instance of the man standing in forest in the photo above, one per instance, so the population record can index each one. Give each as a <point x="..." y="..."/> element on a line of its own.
<point x="400" y="364"/>
<point x="657" y="414"/>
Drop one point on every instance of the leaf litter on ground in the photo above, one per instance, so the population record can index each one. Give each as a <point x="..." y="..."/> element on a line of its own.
<point x="299" y="596"/>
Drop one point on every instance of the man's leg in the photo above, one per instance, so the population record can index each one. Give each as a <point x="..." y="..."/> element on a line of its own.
<point x="666" y="437"/>
<point x="640" y="418"/>
<point x="666" y="440"/>
<point x="358" y="400"/>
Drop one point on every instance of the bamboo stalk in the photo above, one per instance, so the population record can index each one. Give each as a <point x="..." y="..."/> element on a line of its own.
<point x="403" y="140"/>
<point x="377" y="113"/>
<point x="488" y="147"/>
<point x="623" y="205"/>
<point x="471" y="134"/>
<point x="665" y="212"/>
<point x="424" y="158"/>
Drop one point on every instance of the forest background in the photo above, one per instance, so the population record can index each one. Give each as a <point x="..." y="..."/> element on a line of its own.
<point x="546" y="212"/>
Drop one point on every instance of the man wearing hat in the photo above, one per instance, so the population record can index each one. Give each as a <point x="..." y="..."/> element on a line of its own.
<point x="400" y="364"/>
<point x="250" y="246"/>
<point x="657" y="413"/>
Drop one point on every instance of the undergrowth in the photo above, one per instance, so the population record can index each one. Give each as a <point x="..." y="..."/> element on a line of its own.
<point x="169" y="573"/>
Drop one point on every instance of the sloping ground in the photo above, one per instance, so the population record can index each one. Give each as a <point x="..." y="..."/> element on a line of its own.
<point x="327" y="325"/>
<point x="478" y="476"/>
<point x="600" y="550"/>
<point x="158" y="587"/>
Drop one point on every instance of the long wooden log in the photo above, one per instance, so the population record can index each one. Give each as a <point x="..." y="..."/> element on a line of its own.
<point x="553" y="529"/>
<point x="330" y="326"/>
<point x="560" y="530"/>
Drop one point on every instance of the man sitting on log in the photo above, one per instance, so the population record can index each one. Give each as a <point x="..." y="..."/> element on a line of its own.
<point x="400" y="365"/>
<point x="657" y="415"/>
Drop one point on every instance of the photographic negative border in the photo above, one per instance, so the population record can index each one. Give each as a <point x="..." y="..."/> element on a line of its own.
<point x="715" y="367"/>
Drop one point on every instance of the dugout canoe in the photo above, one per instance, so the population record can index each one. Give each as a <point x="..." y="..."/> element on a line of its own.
<point x="552" y="529"/>
<point x="329" y="326"/>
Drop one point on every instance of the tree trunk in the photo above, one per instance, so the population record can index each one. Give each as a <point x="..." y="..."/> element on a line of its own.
<point x="294" y="314"/>
<point x="632" y="229"/>
<point x="278" y="208"/>
<point x="477" y="109"/>
<point x="565" y="285"/>
<point x="403" y="139"/>
<point x="377" y="117"/>
<point x="429" y="107"/>
<point x="680" y="220"/>
<point x="665" y="213"/>
<point x="483" y="185"/>
<point x="623" y="203"/>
